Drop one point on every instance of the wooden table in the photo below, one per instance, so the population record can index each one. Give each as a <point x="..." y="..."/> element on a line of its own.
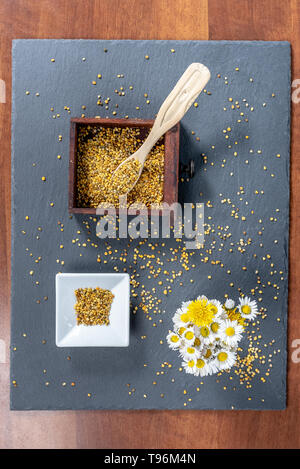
<point x="149" y="19"/>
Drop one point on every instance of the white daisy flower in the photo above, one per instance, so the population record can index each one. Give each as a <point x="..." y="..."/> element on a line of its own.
<point x="225" y="359"/>
<point x="202" y="297"/>
<point x="180" y="330"/>
<point x="189" y="366"/>
<point x="188" y="336"/>
<point x="180" y="318"/>
<point x="208" y="352"/>
<point x="212" y="367"/>
<point x="184" y="306"/>
<point x="215" y="327"/>
<point x="205" y="334"/>
<point x="187" y="352"/>
<point x="229" y="304"/>
<point x="173" y="340"/>
<point x="248" y="308"/>
<point x="231" y="332"/>
<point x="198" y="344"/>
<point x="204" y="367"/>
<point x="219" y="308"/>
<point x="201" y="368"/>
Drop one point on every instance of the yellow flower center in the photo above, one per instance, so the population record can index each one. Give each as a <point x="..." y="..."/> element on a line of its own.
<point x="200" y="363"/>
<point x="208" y="353"/>
<point x="234" y="315"/>
<point x="215" y="327"/>
<point x="189" y="335"/>
<point x="230" y="331"/>
<point x="214" y="308"/>
<point x="197" y="342"/>
<point x="204" y="331"/>
<point x="184" y="317"/>
<point x="201" y="312"/>
<point x="181" y="330"/>
<point x="190" y="350"/>
<point x="191" y="363"/>
<point x="222" y="356"/>
<point x="174" y="338"/>
<point x="246" y="309"/>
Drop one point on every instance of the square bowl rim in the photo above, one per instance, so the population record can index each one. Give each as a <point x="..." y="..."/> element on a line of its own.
<point x="62" y="275"/>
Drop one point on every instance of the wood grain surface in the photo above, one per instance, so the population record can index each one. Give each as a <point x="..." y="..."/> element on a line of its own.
<point x="148" y="19"/>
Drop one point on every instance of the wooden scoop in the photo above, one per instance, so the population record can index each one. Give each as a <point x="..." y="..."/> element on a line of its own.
<point x="172" y="111"/>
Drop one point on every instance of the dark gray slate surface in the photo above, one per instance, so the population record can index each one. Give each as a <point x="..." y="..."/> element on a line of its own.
<point x="264" y="68"/>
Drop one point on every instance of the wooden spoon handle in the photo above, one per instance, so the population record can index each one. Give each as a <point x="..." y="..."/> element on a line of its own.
<point x="186" y="90"/>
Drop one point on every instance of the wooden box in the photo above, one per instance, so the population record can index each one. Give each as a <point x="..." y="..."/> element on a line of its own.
<point x="171" y="167"/>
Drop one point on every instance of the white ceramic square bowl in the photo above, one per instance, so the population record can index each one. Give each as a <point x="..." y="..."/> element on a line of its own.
<point x="69" y="334"/>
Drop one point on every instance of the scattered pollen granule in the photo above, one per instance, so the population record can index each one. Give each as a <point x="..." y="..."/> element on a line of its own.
<point x="125" y="177"/>
<point x="100" y="150"/>
<point x="93" y="306"/>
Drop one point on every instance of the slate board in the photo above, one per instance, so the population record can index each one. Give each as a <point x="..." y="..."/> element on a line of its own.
<point x="118" y="378"/>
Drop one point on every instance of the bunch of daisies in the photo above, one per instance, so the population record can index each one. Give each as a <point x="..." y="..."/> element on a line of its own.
<point x="206" y="333"/>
